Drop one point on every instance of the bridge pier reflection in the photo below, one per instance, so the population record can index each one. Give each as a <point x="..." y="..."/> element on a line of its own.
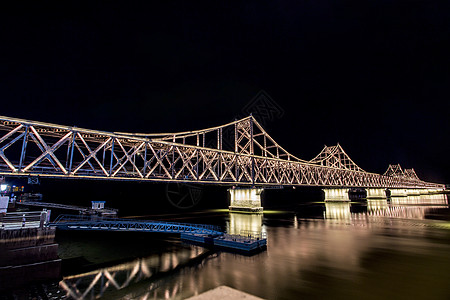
<point x="337" y="210"/>
<point x="410" y="207"/>
<point x="336" y="194"/>
<point x="245" y="199"/>
<point x="377" y="206"/>
<point x="398" y="192"/>
<point x="438" y="199"/>
<point x="239" y="222"/>
<point x="106" y="282"/>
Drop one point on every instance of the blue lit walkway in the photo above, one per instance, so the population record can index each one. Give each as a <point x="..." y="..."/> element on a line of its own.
<point x="204" y="235"/>
<point x="74" y="222"/>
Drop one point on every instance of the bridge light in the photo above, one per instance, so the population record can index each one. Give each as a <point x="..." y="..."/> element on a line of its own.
<point x="3" y="187"/>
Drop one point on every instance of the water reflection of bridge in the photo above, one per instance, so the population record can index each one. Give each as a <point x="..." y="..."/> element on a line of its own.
<point x="101" y="282"/>
<point x="98" y="283"/>
<point x="239" y="222"/>
<point x="123" y="277"/>
<point x="411" y="207"/>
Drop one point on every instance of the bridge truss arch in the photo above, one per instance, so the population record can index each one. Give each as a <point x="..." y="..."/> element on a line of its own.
<point x="238" y="153"/>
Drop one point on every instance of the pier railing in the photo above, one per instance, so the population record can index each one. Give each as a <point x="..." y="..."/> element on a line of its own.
<point x="246" y="235"/>
<point x="18" y="220"/>
<point x="81" y="209"/>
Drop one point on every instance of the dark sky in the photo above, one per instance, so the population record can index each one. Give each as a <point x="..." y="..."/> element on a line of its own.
<point x="371" y="75"/>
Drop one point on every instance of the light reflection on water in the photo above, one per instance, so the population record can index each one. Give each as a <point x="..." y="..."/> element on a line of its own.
<point x="241" y="222"/>
<point x="98" y="283"/>
<point x="371" y="250"/>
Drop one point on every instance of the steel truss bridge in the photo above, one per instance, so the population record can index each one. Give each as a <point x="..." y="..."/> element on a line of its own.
<point x="238" y="153"/>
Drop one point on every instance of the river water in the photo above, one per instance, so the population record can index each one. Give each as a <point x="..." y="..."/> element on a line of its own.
<point x="378" y="249"/>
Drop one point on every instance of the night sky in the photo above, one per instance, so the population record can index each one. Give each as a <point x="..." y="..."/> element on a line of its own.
<point x="371" y="75"/>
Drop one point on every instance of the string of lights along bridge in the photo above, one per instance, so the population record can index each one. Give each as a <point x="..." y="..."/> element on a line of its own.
<point x="239" y="154"/>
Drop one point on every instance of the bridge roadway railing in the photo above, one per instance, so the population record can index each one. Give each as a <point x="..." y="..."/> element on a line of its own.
<point x="30" y="148"/>
<point x="75" y="222"/>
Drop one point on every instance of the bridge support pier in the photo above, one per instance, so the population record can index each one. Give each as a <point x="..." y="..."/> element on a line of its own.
<point x="245" y="200"/>
<point x="434" y="191"/>
<point x="424" y="191"/>
<point x="376" y="193"/>
<point x="336" y="194"/>
<point x="413" y="192"/>
<point x="398" y="192"/>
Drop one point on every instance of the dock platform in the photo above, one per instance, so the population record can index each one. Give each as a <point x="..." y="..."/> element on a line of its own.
<point x="245" y="242"/>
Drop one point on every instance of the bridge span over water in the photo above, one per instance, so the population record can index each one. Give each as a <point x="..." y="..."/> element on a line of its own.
<point x="240" y="153"/>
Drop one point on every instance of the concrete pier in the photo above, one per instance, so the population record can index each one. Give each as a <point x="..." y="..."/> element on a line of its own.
<point x="337" y="194"/>
<point x="433" y="191"/>
<point x="413" y="192"/>
<point x="246" y="200"/>
<point x="376" y="193"/>
<point x="398" y="192"/>
<point x="424" y="191"/>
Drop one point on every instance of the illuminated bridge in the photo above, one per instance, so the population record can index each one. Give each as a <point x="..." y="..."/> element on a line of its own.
<point x="240" y="153"/>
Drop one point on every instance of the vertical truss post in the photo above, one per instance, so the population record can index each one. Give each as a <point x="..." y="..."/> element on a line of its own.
<point x="251" y="136"/>
<point x="218" y="139"/>
<point x="265" y="146"/>
<point x="172" y="164"/>
<point x="203" y="134"/>
<point x="252" y="150"/>
<point x="235" y="138"/>
<point x="145" y="160"/>
<point x="112" y="157"/>
<point x="235" y="150"/>
<point x="172" y="167"/>
<point x="221" y="139"/>
<point x="70" y="155"/>
<point x="219" y="147"/>
<point x="104" y="155"/>
<point x="24" y="148"/>
<point x="133" y="161"/>
<point x="196" y="163"/>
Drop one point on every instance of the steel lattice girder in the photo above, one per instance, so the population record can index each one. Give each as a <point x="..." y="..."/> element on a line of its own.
<point x="34" y="148"/>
